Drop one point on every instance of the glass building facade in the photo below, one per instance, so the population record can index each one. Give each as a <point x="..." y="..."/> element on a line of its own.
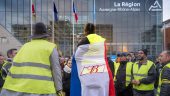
<point x="128" y="25"/>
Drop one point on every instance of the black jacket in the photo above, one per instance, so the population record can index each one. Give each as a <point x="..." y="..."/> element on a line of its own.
<point x="120" y="84"/>
<point x="83" y="41"/>
<point x="121" y="77"/>
<point x="111" y="65"/>
<point x="66" y="81"/>
<point x="5" y="69"/>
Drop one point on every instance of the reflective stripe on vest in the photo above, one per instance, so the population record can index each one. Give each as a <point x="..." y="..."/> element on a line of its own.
<point x="142" y="72"/>
<point x="94" y="38"/>
<point x="162" y="80"/>
<point x="128" y="72"/>
<point x="32" y="65"/>
<point x="31" y="72"/>
<point x="28" y="76"/>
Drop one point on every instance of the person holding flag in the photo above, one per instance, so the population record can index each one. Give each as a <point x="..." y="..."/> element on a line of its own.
<point x="91" y="75"/>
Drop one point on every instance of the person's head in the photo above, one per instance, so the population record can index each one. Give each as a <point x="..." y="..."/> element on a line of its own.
<point x="11" y="53"/>
<point x="62" y="62"/>
<point x="2" y="58"/>
<point x="158" y="59"/>
<point x="118" y="55"/>
<point x="67" y="67"/>
<point x="40" y="31"/>
<point x="164" y="57"/>
<point x="142" y="54"/>
<point x="129" y="56"/>
<point x="89" y="29"/>
<point x="132" y="54"/>
<point x="69" y="63"/>
<point x="123" y="58"/>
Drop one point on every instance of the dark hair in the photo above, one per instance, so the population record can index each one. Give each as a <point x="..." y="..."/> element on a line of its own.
<point x="40" y="29"/>
<point x="118" y="55"/>
<point x="123" y="54"/>
<point x="10" y="51"/>
<point x="68" y="60"/>
<point x="145" y="51"/>
<point x="89" y="28"/>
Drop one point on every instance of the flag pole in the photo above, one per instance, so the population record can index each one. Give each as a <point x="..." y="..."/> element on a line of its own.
<point x="94" y="11"/>
<point x="31" y="17"/>
<point x="53" y="22"/>
<point x="73" y="26"/>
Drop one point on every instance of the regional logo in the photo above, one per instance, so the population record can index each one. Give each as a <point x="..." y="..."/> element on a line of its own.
<point x="154" y="7"/>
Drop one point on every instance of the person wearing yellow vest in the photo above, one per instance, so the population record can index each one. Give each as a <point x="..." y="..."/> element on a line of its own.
<point x="164" y="78"/>
<point x="144" y="75"/>
<point x="35" y="70"/>
<point x="116" y="66"/>
<point x="123" y="77"/>
<point x="2" y="62"/>
<point x="5" y="69"/>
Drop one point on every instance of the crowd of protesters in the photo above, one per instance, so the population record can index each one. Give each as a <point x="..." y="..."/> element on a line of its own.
<point x="133" y="73"/>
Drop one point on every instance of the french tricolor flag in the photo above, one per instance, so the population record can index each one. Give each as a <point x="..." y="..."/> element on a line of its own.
<point x="75" y="13"/>
<point x="91" y="75"/>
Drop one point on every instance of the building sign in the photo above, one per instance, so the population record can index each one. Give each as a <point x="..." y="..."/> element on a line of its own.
<point x="123" y="6"/>
<point x="138" y="5"/>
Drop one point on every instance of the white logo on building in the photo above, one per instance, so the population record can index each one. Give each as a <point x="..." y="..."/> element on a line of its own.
<point x="155" y="7"/>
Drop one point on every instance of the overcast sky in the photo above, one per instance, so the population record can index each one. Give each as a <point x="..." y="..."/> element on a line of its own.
<point x="166" y="10"/>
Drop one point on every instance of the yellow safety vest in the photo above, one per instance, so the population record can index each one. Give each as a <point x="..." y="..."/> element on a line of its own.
<point x="140" y="73"/>
<point x="31" y="69"/>
<point x="128" y="72"/>
<point x="116" y="67"/>
<point x="162" y="80"/>
<point x="5" y="68"/>
<point x="4" y="63"/>
<point x="94" y="38"/>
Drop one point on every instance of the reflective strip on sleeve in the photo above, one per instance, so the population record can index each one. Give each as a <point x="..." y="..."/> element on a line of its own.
<point x="166" y="81"/>
<point x="141" y="75"/>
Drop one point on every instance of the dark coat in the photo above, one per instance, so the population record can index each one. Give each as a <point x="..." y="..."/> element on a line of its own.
<point x="120" y="84"/>
<point x="111" y="65"/>
<point x="66" y="81"/>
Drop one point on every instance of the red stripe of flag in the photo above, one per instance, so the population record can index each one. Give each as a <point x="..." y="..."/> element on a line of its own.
<point x="75" y="13"/>
<point x="33" y="9"/>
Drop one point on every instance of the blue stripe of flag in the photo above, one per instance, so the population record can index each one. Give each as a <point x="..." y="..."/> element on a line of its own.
<point x="55" y="13"/>
<point x="75" y="86"/>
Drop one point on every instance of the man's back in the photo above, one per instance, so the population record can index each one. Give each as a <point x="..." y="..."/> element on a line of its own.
<point x="31" y="70"/>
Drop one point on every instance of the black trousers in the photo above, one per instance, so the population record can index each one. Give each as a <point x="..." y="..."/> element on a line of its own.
<point x="67" y="93"/>
<point x="126" y="92"/>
